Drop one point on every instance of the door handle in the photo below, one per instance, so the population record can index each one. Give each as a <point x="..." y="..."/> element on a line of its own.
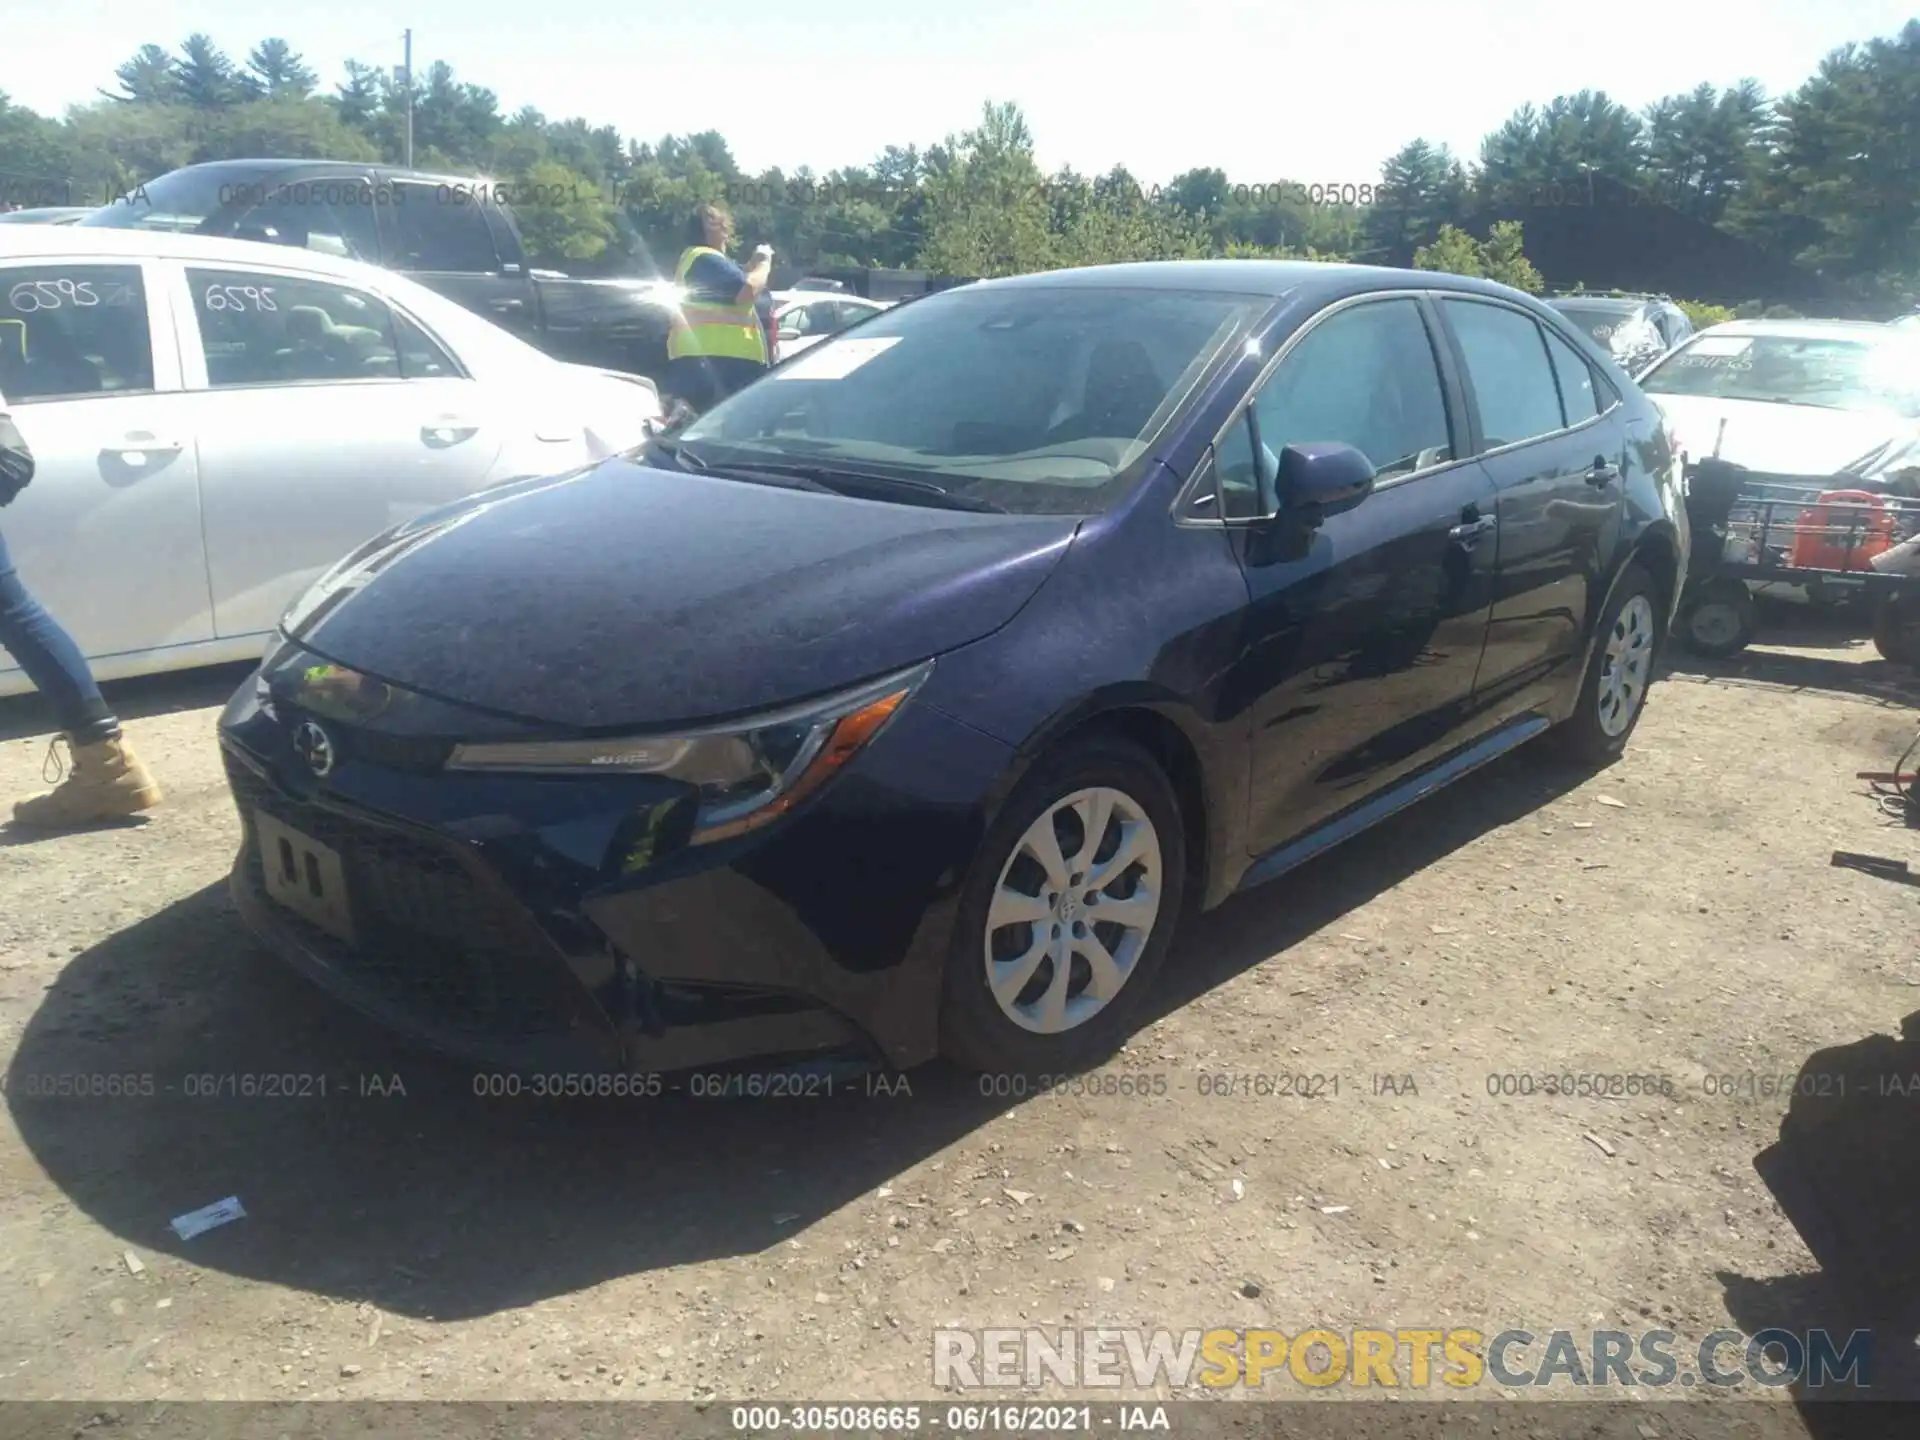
<point x="509" y="307"/>
<point x="134" y="449"/>
<point x="447" y="430"/>
<point x="1604" y="472"/>
<point x="1469" y="531"/>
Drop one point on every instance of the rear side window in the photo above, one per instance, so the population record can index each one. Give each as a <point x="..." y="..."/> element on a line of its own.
<point x="333" y="217"/>
<point x="439" y="228"/>
<point x="73" y="330"/>
<point x="1577" y="398"/>
<point x="1513" y="380"/>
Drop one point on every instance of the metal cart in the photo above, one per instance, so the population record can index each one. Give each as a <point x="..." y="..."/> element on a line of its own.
<point x="1818" y="533"/>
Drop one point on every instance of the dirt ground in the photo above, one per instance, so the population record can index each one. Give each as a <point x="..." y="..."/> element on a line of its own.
<point x="1676" y="915"/>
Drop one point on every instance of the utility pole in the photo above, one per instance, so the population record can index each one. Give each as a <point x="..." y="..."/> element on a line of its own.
<point x="408" y="67"/>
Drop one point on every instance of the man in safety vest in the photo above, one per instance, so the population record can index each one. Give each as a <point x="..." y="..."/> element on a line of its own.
<point x="718" y="342"/>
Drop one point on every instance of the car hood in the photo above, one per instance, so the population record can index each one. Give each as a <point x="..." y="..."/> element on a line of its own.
<point x="624" y="596"/>
<point x="1791" y="439"/>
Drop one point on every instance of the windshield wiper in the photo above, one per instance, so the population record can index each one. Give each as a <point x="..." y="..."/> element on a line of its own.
<point x="866" y="483"/>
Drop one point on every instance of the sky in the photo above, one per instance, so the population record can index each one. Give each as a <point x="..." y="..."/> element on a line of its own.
<point x="1266" y="91"/>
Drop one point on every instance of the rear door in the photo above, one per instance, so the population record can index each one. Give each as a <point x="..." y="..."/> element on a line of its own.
<point x="1362" y="647"/>
<point x="1550" y="434"/>
<point x="108" y="534"/>
<point x="440" y="236"/>
<point x="324" y="415"/>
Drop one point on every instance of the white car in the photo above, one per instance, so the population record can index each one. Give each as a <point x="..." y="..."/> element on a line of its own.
<point x="1795" y="397"/>
<point x="216" y="422"/>
<point x="806" y="317"/>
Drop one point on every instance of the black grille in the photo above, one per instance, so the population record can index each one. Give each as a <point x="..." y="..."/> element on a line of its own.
<point x="433" y="940"/>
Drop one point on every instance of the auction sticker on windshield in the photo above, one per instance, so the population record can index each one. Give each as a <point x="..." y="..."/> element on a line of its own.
<point x="836" y="361"/>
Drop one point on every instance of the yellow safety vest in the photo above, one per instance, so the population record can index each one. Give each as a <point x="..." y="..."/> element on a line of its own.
<point x="717" y="330"/>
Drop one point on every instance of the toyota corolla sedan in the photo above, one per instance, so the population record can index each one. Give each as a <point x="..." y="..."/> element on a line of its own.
<point x="900" y="705"/>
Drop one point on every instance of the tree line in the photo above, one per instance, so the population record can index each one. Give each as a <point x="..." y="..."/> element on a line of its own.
<point x="1827" y="175"/>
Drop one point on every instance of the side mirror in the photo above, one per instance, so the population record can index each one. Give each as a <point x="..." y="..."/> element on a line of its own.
<point x="788" y="334"/>
<point x="1322" y="479"/>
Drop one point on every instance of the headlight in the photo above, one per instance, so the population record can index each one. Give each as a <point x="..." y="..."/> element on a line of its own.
<point x="748" y="774"/>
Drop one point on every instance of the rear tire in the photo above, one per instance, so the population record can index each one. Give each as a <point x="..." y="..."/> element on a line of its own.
<point x="1720" y="620"/>
<point x="1613" y="694"/>
<point x="1033" y="950"/>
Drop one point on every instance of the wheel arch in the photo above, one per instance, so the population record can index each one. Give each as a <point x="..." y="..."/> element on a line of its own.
<point x="1160" y="727"/>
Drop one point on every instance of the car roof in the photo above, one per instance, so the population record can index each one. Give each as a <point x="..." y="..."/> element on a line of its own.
<point x="279" y="166"/>
<point x="1604" y="302"/>
<point x="1800" y="329"/>
<point x="100" y="243"/>
<point x="1272" y="279"/>
<point x="784" y="298"/>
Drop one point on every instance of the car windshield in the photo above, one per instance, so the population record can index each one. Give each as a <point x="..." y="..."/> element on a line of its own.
<point x="1877" y="373"/>
<point x="1036" y="399"/>
<point x="181" y="201"/>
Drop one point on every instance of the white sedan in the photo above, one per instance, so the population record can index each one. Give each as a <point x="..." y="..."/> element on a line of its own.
<point x="216" y="422"/>
<point x="806" y="317"/>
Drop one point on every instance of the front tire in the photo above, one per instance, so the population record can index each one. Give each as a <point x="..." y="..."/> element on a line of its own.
<point x="1613" y="694"/>
<point x="1067" y="914"/>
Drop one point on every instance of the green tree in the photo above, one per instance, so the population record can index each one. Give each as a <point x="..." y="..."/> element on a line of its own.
<point x="358" y="100"/>
<point x="274" y="72"/>
<point x="1704" y="146"/>
<point x="562" y="213"/>
<point x="1453" y="251"/>
<point x="1842" y="187"/>
<point x="148" y="78"/>
<point x="205" y="75"/>
<point x="1572" y="138"/>
<point x="987" y="211"/>
<point x="1502" y="260"/>
<point x="1422" y="188"/>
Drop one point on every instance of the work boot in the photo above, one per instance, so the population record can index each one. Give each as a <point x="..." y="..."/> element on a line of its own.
<point x="108" y="782"/>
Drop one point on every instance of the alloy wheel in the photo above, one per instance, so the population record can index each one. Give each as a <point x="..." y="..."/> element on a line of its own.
<point x="1628" y="664"/>
<point x="1075" y="904"/>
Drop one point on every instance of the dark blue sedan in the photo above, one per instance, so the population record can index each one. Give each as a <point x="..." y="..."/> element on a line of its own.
<point x="900" y="704"/>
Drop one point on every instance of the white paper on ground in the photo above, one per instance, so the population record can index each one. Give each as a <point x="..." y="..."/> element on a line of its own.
<point x="208" y="1217"/>
<point x="835" y="361"/>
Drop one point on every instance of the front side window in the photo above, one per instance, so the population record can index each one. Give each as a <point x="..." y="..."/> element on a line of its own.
<point x="1037" y="398"/>
<point x="73" y="330"/>
<point x="260" y="329"/>
<point x="440" y="229"/>
<point x="1513" y="381"/>
<point x="1365" y="377"/>
<point x="1877" y="372"/>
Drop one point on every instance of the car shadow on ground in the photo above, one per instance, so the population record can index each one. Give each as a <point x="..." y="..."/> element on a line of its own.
<point x="25" y="716"/>
<point x="1845" y="1170"/>
<point x="378" y="1174"/>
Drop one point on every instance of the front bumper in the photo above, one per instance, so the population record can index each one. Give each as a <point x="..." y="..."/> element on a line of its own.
<point x="503" y="920"/>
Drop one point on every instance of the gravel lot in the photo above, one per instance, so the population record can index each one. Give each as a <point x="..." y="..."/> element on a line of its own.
<point x="1676" y="915"/>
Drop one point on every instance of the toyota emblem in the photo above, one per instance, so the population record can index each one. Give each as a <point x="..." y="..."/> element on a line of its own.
<point x="314" y="746"/>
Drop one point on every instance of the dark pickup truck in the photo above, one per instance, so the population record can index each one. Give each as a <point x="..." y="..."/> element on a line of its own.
<point x="457" y="236"/>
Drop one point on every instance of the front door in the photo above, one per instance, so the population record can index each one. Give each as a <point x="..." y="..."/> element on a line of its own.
<point x="325" y="416"/>
<point x="1363" y="641"/>
<point x="107" y="536"/>
<point x="1553" y="439"/>
<point x="439" y="236"/>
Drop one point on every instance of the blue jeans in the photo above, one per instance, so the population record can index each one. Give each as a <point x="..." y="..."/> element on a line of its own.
<point x="52" y="661"/>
